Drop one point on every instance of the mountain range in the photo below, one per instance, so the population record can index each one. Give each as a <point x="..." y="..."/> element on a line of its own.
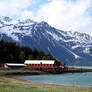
<point x="72" y="48"/>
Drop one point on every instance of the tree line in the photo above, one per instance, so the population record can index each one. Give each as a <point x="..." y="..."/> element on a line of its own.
<point x="12" y="53"/>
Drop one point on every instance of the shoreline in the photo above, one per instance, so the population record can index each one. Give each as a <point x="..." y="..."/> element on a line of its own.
<point x="71" y="85"/>
<point x="11" y="79"/>
<point x="13" y="83"/>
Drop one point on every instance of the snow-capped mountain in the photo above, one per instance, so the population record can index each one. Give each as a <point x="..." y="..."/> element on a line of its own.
<point x="72" y="48"/>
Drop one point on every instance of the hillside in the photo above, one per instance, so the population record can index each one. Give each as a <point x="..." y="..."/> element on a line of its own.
<point x="11" y="53"/>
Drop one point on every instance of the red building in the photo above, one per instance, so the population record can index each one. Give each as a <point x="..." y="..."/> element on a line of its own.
<point x="40" y="63"/>
<point x="62" y="65"/>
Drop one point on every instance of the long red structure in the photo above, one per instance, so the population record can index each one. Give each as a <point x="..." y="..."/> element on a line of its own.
<point x="40" y="63"/>
<point x="34" y="64"/>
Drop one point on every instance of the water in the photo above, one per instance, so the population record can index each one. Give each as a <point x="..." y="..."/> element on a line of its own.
<point x="73" y="79"/>
<point x="82" y="67"/>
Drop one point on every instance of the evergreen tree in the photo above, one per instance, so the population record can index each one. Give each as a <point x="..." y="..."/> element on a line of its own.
<point x="35" y="53"/>
<point x="30" y="57"/>
<point x="22" y="56"/>
<point x="11" y="53"/>
<point x="44" y="58"/>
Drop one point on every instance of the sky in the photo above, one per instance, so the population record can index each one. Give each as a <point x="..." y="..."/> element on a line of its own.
<point x="67" y="15"/>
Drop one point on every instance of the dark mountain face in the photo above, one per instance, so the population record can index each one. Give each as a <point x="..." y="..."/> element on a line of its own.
<point x="72" y="48"/>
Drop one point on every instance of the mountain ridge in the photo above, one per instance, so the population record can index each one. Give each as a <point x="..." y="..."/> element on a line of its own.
<point x="73" y="48"/>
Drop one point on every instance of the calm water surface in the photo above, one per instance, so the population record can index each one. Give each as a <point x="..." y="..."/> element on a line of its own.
<point x="73" y="79"/>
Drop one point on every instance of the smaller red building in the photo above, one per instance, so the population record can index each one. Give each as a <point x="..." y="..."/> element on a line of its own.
<point x="62" y="65"/>
<point x="40" y="63"/>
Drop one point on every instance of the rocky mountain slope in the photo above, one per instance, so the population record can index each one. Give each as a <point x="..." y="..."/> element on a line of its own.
<point x="72" y="48"/>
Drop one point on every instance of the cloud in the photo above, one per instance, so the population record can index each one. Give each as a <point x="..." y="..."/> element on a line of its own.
<point x="14" y="7"/>
<point x="67" y="14"/>
<point x="27" y="14"/>
<point x="74" y="15"/>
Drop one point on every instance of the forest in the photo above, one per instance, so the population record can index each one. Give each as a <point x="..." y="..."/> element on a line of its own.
<point x="12" y="53"/>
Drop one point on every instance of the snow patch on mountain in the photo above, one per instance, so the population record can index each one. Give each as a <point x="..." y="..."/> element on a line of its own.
<point x="75" y="55"/>
<point x="75" y="46"/>
<point x="56" y="37"/>
<point x="86" y="50"/>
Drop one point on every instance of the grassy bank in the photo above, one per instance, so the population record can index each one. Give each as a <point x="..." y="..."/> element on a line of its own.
<point x="19" y="85"/>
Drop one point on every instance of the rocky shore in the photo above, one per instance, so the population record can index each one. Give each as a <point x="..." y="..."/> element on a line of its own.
<point x="28" y="71"/>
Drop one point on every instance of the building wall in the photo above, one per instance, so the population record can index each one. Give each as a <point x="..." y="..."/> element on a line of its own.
<point x="40" y="65"/>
